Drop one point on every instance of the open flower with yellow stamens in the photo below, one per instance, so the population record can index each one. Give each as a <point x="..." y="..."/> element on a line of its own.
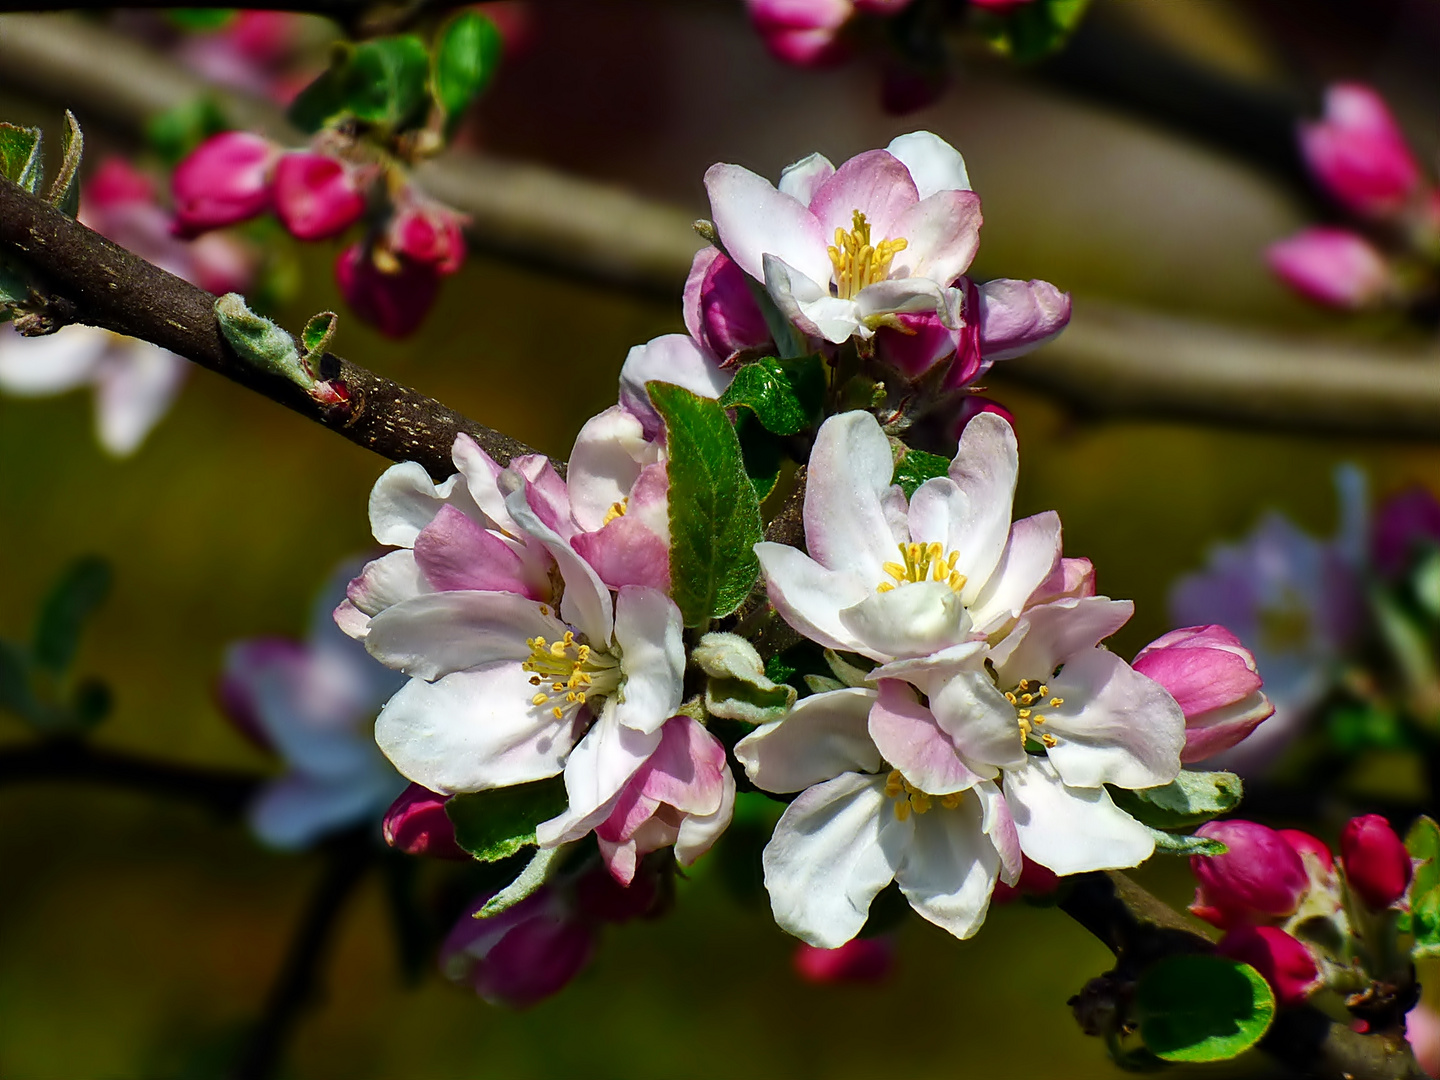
<point x="843" y="251"/>
<point x="888" y="579"/>
<point x="862" y="820"/>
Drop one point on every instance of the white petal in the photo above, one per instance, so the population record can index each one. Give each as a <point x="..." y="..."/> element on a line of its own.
<point x="950" y="868"/>
<point x="943" y="233"/>
<point x="404" y="500"/>
<point x="1048" y="635"/>
<point x="1029" y="558"/>
<point x="1072" y="830"/>
<point x="387" y="581"/>
<point x="801" y="179"/>
<point x="671" y="358"/>
<point x="473" y="730"/>
<point x="599" y="767"/>
<point x="934" y="164"/>
<point x="835" y="847"/>
<point x="755" y="220"/>
<point x="985" y="468"/>
<point x="823" y="736"/>
<point x="586" y="603"/>
<point x="609" y="453"/>
<point x="430" y="636"/>
<point x="648" y="632"/>
<point x="1115" y="727"/>
<point x="135" y="385"/>
<point x="846" y="527"/>
<point x="908" y="736"/>
<point x="999" y="826"/>
<point x="914" y="620"/>
<point x="53" y="363"/>
<point x="809" y="597"/>
<point x="698" y="833"/>
<point x="808" y="304"/>
<point x="481" y="475"/>
<point x="976" y="716"/>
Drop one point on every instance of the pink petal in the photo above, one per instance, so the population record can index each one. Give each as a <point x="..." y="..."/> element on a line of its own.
<point x="908" y="738"/>
<point x="454" y="552"/>
<point x="874" y="183"/>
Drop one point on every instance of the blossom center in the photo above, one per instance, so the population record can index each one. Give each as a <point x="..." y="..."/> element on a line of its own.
<point x="1026" y="696"/>
<point x="568" y="672"/>
<point x="857" y="261"/>
<point x="923" y="562"/>
<point x="616" y="510"/>
<point x="911" y="800"/>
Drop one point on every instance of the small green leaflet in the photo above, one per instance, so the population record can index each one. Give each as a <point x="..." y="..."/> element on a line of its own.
<point x="1034" y="30"/>
<point x="20" y="155"/>
<point x="467" y="55"/>
<point x="382" y="82"/>
<point x="1168" y="843"/>
<point x="1201" y="1007"/>
<point x="916" y="467"/>
<point x="785" y="395"/>
<point x="1423" y="844"/>
<point x="714" y="512"/>
<point x="493" y="825"/>
<point x="81" y="588"/>
<point x="201" y="18"/>
<point x="65" y="188"/>
<point x="1191" y="799"/>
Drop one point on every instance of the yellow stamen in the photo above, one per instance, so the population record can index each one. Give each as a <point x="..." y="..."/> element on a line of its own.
<point x="857" y="261"/>
<point x="616" y="510"/>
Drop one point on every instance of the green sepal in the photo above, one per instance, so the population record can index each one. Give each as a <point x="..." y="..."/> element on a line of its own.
<point x="714" y="511"/>
<point x="1034" y="30"/>
<point x="1423" y="844"/>
<point x="916" y="467"/>
<point x="1201" y="1007"/>
<point x="737" y="687"/>
<point x="786" y="396"/>
<point x="544" y="862"/>
<point x="382" y="82"/>
<point x="1425" y="925"/>
<point x="260" y="342"/>
<point x="174" y="133"/>
<point x="495" y="824"/>
<point x="20" y="159"/>
<point x="81" y="588"/>
<point x="1191" y="799"/>
<point x="64" y="192"/>
<point x="466" y="57"/>
<point x="1168" y="843"/>
<point x="849" y="673"/>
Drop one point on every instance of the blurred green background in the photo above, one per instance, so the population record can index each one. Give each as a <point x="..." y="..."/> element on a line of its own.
<point x="137" y="937"/>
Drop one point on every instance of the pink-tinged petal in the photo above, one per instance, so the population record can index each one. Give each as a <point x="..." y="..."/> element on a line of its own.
<point x="385" y="582"/>
<point x="984" y="469"/>
<point x="626" y="552"/>
<point x="116" y="182"/>
<point x="1031" y="556"/>
<point x="909" y="738"/>
<point x="604" y="465"/>
<point x="1072" y="830"/>
<point x="316" y="196"/>
<point x="690" y="294"/>
<point x="1359" y="153"/>
<point x="835" y="847"/>
<point x="823" y="736"/>
<point x="698" y="832"/>
<point x="1286" y="963"/>
<point x="950" y="868"/>
<point x="875" y="184"/>
<point x="1203" y="668"/>
<point x="809" y="597"/>
<point x="404" y="500"/>
<point x="861" y="960"/>
<point x="933" y="163"/>
<point x="687" y="769"/>
<point x="39" y="366"/>
<point x="1018" y="316"/>
<point x="596" y="774"/>
<point x="455" y="553"/>
<point x="585" y="603"/>
<point x="396" y="300"/>
<point x="1049" y="635"/>
<point x="805" y="33"/>
<point x="846" y="528"/>
<point x="648" y="633"/>
<point x="1114" y="725"/>
<point x="901" y="295"/>
<point x="807" y="303"/>
<point x="999" y="826"/>
<point x="1070" y="580"/>
<point x="1334" y="267"/>
<point x="297" y="810"/>
<point x="1219" y="730"/>
<point x="481" y="480"/>
<point x="942" y="234"/>
<point x="473" y="730"/>
<point x="433" y="635"/>
<point x="671" y="358"/>
<point x="917" y="619"/>
<point x="755" y="220"/>
<point x="803" y="178"/>
<point x="135" y="385"/>
<point x="981" y="724"/>
<point x="546" y="493"/>
<point x="649" y="500"/>
<point x="924" y="342"/>
<point x="1422" y="1032"/>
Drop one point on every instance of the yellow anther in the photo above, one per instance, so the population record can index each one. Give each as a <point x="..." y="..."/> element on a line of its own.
<point x="1048" y="740"/>
<point x="921" y="803"/>
<point x="1054" y="701"/>
<point x="558" y="713"/>
<point x="616" y="510"/>
<point x="857" y="261"/>
<point x="556" y="687"/>
<point x="902" y="810"/>
<point x="544" y="610"/>
<point x="1043" y="690"/>
<point x="951" y="801"/>
<point x="1010" y="697"/>
<point x="1024" y="714"/>
<point x="884" y="586"/>
<point x="895" y="570"/>
<point x="534" y="680"/>
<point x="557" y="648"/>
<point x="957" y="581"/>
<point x="539" y="699"/>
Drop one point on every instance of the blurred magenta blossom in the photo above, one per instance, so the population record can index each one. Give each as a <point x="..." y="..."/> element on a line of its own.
<point x="859" y="960"/>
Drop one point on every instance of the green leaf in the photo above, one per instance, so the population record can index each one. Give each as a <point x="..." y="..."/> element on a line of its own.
<point x="1201" y="1007"/>
<point x="1358" y="727"/>
<point x="324" y="99"/>
<point x="493" y="825"/>
<point x="466" y="58"/>
<point x="381" y="82"/>
<point x="916" y="467"/>
<point x="738" y="688"/>
<point x="91" y="703"/>
<point x="65" y="188"/>
<point x="531" y="878"/>
<point x="1191" y="799"/>
<point x="778" y="669"/>
<point x="175" y="132"/>
<point x="785" y="395"/>
<point x="714" y="513"/>
<point x="1425" y="925"/>
<point x="81" y="588"/>
<point x="1168" y="843"/>
<point x="1034" y="30"/>
<point x="1423" y="844"/>
<point x="20" y="155"/>
<point x="319" y="329"/>
<point x="201" y="18"/>
<point x="259" y="342"/>
<point x="762" y="452"/>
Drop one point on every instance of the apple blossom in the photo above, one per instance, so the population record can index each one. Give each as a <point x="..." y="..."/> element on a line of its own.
<point x="721" y="313"/>
<point x="224" y="180"/>
<point x="312" y="702"/>
<point x="1358" y="153"/>
<point x="417" y="824"/>
<point x="859" y="960"/>
<point x="1377" y="866"/>
<point x="802" y="32"/>
<point x="1261" y="876"/>
<point x="317" y="196"/>
<point x="424" y="231"/>
<point x="1332" y="266"/>
<point x="394" y="301"/>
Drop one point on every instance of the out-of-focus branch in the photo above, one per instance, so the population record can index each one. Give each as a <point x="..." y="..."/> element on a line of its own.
<point x="104" y="285"/>
<point x="1110" y="361"/>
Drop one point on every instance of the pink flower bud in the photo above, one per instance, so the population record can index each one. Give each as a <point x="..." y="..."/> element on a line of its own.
<point x="1422" y="1031"/>
<point x="522" y="955"/>
<point x="115" y="183"/>
<point x="1334" y="267"/>
<point x="1259" y="877"/>
<point x="918" y="344"/>
<point x="720" y="310"/>
<point x="1377" y="866"/>
<point x="1213" y="678"/>
<point x="316" y="196"/>
<point x="226" y="179"/>
<point x="1000" y="7"/>
<point x="1305" y="844"/>
<point x="970" y="407"/>
<point x="805" y="33"/>
<point x="1358" y="152"/>
<point x="1035" y="880"/>
<point x="859" y="960"/>
<point x="395" y="304"/>
<point x="427" y="232"/>
<point x="1016" y="317"/>
<point x="1284" y="961"/>
<point x="1404" y="523"/>
<point x="883" y="9"/>
<point x="417" y="824"/>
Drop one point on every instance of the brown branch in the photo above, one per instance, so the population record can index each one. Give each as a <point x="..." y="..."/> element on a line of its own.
<point x="119" y="291"/>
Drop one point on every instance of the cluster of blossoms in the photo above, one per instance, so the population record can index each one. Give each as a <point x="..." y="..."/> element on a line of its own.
<point x="1388" y="253"/>
<point x="134" y="382"/>
<point x="1289" y="912"/>
<point x="390" y="278"/>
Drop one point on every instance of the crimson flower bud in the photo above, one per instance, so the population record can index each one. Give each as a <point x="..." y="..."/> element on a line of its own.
<point x="1403" y="522"/>
<point x="226" y="179"/>
<point x="805" y="33"/>
<point x="316" y="196"/>
<point x="417" y="824"/>
<point x="1285" y="962"/>
<point x="720" y="310"/>
<point x="1213" y="679"/>
<point x="522" y="955"/>
<point x="859" y="960"/>
<point x="1305" y="844"/>
<point x="427" y="232"/>
<point x="1035" y="880"/>
<point x="1334" y="267"/>
<point x="1260" y="877"/>
<point x="1377" y="866"/>
<point x="395" y="304"/>
<point x="1358" y="153"/>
